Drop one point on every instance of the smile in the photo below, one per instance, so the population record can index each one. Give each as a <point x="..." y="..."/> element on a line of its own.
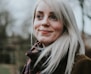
<point x="45" y="31"/>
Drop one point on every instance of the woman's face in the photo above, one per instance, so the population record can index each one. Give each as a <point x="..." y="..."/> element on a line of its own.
<point x="47" y="28"/>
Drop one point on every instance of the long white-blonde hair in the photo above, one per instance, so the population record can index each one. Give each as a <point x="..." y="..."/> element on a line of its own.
<point x="69" y="42"/>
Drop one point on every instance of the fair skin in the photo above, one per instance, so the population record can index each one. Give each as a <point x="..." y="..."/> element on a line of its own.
<point x="47" y="28"/>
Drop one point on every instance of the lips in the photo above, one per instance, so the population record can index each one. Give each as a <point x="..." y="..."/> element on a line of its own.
<point x="45" y="31"/>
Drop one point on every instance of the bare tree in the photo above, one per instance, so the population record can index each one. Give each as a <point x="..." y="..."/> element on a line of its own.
<point x="82" y="9"/>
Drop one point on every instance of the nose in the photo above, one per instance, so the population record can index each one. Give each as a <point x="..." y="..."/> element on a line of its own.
<point x="45" y="21"/>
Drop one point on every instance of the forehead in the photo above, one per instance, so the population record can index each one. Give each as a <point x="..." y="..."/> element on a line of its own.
<point x="42" y="6"/>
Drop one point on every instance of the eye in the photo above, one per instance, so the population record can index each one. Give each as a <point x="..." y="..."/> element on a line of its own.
<point x="39" y="16"/>
<point x="53" y="17"/>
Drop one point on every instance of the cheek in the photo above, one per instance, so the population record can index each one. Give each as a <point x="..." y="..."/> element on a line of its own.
<point x="58" y="28"/>
<point x="35" y="25"/>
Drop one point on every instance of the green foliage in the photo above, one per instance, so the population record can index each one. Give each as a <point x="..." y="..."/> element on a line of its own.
<point x="4" y="70"/>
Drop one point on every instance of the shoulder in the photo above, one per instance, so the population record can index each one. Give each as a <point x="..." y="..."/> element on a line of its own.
<point x="82" y="59"/>
<point x="82" y="65"/>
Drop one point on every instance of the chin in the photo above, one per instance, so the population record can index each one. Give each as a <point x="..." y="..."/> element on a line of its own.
<point x="45" y="42"/>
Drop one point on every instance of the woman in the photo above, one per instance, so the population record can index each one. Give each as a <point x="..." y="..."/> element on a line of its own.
<point x="59" y="49"/>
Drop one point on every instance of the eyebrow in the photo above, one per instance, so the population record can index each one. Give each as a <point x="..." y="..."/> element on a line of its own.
<point x="42" y="12"/>
<point x="39" y="12"/>
<point x="52" y="13"/>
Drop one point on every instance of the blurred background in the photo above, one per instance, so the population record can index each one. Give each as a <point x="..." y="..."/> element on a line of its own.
<point x="15" y="31"/>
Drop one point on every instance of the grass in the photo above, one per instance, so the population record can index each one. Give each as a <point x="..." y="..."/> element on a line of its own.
<point x="4" y="70"/>
<point x="8" y="69"/>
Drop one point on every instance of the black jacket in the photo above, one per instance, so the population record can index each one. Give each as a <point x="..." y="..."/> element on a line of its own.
<point x="82" y="64"/>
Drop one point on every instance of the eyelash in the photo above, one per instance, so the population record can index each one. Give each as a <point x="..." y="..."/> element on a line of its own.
<point x="52" y="17"/>
<point x="39" y="17"/>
